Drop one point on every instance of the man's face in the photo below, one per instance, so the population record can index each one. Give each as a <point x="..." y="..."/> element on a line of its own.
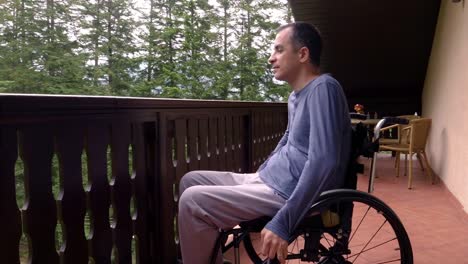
<point x="285" y="57"/>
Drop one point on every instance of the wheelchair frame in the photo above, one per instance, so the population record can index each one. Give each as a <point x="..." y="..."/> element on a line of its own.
<point x="313" y="227"/>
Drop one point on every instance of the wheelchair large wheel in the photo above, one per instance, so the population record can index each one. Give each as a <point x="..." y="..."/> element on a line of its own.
<point x="374" y="235"/>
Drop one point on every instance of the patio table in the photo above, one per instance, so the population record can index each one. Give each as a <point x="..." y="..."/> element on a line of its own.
<point x="368" y="122"/>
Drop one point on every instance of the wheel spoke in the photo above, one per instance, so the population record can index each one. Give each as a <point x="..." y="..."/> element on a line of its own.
<point x="360" y="222"/>
<point x="370" y="240"/>
<point x="328" y="241"/>
<point x="376" y="246"/>
<point x="389" y="261"/>
<point x="295" y="246"/>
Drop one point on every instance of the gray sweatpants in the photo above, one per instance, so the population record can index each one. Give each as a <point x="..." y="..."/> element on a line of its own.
<point x="213" y="200"/>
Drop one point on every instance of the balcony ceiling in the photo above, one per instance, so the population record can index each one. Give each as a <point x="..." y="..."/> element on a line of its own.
<point x="378" y="50"/>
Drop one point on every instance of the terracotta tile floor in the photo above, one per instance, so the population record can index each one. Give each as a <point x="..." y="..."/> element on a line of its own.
<point x="434" y="219"/>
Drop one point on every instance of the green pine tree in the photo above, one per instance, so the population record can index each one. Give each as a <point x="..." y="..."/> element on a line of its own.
<point x="254" y="80"/>
<point x="108" y="42"/>
<point x="222" y="66"/>
<point x="20" y="69"/>
<point x="196" y="51"/>
<point x="63" y="67"/>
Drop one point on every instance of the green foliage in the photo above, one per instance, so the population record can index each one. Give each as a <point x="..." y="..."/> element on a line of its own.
<point x="37" y="53"/>
<point x="165" y="48"/>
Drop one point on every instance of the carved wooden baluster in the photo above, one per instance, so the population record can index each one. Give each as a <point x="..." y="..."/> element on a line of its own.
<point x="229" y="144"/>
<point x="203" y="143"/>
<point x="40" y="213"/>
<point x="193" y="144"/>
<point x="266" y="126"/>
<point x="121" y="191"/>
<point x="98" y="196"/>
<point x="256" y="139"/>
<point x="140" y="188"/>
<point x="10" y="221"/>
<point x="264" y="129"/>
<point x="239" y="151"/>
<point x="275" y="127"/>
<point x="236" y="161"/>
<point x="260" y="143"/>
<point x="222" y="143"/>
<point x="246" y="144"/>
<point x="69" y="146"/>
<point x="213" y="146"/>
<point x="269" y="133"/>
<point x="181" y="141"/>
<point x="234" y="144"/>
<point x="167" y="206"/>
<point x="251" y="141"/>
<point x="278" y="129"/>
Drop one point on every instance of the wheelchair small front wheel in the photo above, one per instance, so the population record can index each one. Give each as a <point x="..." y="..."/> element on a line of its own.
<point x="368" y="232"/>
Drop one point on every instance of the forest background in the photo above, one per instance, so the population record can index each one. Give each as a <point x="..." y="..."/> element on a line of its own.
<point x="204" y="49"/>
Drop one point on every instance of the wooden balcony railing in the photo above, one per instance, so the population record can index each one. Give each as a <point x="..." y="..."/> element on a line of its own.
<point x="117" y="163"/>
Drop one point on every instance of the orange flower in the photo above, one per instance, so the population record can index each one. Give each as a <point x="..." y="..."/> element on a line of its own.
<point x="359" y="108"/>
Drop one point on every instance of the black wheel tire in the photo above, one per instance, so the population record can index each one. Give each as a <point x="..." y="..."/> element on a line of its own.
<point x="396" y="243"/>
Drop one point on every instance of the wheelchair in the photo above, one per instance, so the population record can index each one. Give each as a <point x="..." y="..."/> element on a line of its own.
<point x="343" y="226"/>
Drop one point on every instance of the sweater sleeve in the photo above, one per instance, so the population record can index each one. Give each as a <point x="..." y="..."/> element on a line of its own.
<point x="327" y="120"/>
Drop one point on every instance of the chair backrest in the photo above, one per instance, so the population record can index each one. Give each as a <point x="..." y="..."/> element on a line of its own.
<point x="361" y="145"/>
<point x="419" y="132"/>
<point x="403" y="134"/>
<point x="409" y="117"/>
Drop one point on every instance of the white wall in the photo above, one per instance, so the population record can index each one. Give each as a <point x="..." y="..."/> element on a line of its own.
<point x="445" y="99"/>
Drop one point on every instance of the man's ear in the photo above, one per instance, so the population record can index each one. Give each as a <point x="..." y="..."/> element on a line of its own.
<point x="303" y="54"/>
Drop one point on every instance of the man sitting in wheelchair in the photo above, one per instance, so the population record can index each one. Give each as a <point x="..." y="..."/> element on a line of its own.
<point x="309" y="159"/>
<point x="312" y="157"/>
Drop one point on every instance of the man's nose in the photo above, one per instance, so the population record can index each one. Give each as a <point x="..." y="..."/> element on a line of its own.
<point x="271" y="59"/>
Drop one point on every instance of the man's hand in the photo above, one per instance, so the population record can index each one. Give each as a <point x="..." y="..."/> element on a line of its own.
<point x="274" y="245"/>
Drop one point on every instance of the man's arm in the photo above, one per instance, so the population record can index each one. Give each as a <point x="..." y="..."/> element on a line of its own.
<point x="327" y="121"/>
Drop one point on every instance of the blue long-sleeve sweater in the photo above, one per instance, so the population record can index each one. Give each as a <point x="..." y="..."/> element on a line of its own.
<point x="313" y="153"/>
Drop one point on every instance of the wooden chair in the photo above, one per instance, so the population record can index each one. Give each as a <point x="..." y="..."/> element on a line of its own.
<point x="393" y="130"/>
<point x="412" y="140"/>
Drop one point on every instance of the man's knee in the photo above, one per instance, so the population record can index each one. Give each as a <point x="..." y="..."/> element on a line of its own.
<point x="191" y="198"/>
<point x="187" y="180"/>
